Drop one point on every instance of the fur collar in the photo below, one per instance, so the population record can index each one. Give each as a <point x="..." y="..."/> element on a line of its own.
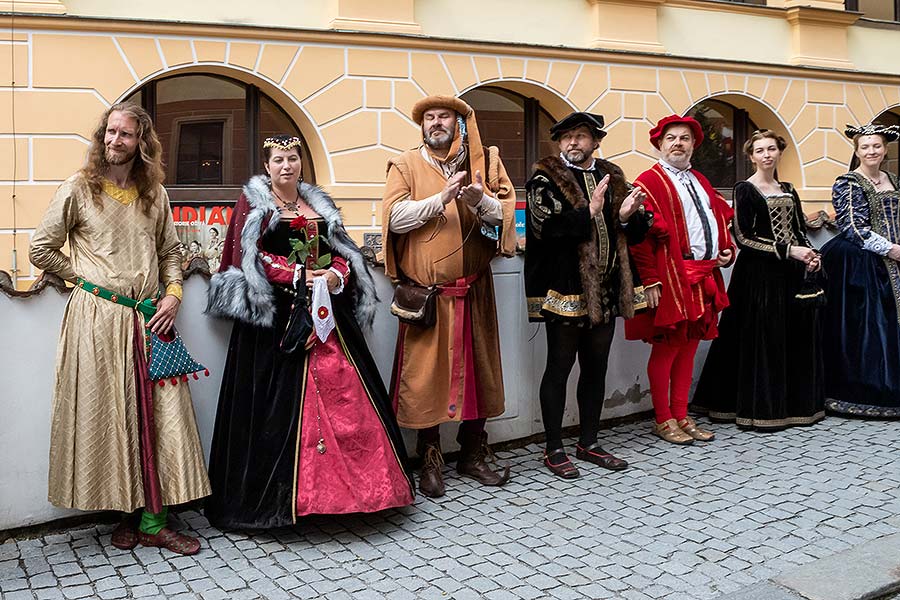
<point x="245" y="294"/>
<point x="589" y="265"/>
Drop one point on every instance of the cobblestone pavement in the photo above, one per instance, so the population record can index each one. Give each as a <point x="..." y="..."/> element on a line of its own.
<point x="683" y="523"/>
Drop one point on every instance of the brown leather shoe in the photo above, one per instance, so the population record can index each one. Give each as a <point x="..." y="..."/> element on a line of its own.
<point x="472" y="463"/>
<point x="688" y="426"/>
<point x="431" y="480"/>
<point x="671" y="432"/>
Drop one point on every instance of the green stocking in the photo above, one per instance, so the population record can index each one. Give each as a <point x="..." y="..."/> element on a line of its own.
<point x="151" y="523"/>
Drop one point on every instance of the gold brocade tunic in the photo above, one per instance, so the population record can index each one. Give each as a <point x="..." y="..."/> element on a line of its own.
<point x="94" y="438"/>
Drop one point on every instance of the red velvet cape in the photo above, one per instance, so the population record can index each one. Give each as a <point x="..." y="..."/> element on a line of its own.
<point x="660" y="259"/>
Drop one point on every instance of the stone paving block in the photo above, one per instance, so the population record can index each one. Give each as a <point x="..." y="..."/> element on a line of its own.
<point x="631" y="535"/>
<point x="78" y="591"/>
<point x="49" y="594"/>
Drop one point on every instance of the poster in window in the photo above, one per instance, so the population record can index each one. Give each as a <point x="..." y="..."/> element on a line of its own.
<point x="520" y="225"/>
<point x="201" y="228"/>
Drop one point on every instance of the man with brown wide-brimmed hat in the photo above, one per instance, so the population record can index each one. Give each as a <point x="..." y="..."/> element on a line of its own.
<point x="448" y="210"/>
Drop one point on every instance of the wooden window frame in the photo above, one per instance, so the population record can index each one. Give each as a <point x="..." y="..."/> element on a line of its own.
<point x="227" y="140"/>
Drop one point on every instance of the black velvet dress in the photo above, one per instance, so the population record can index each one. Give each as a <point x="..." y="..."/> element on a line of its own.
<point x="256" y="446"/>
<point x="765" y="371"/>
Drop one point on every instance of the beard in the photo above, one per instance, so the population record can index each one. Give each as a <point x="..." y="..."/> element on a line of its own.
<point x="441" y="142"/>
<point x="576" y="157"/>
<point x="116" y="158"/>
<point x="681" y="160"/>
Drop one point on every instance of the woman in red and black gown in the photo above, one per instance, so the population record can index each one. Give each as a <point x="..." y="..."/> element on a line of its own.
<point x="312" y="430"/>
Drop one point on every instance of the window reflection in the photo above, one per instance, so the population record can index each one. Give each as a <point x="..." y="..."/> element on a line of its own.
<point x="720" y="157"/>
<point x="518" y="126"/>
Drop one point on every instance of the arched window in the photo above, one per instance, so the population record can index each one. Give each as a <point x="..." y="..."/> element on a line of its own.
<point x="517" y="125"/>
<point x="211" y="129"/>
<point x="720" y="157"/>
<point x="520" y="128"/>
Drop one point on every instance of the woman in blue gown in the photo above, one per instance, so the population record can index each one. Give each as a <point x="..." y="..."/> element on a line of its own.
<point x="862" y="330"/>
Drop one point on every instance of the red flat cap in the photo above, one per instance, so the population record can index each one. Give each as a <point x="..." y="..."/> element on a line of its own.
<point x="657" y="132"/>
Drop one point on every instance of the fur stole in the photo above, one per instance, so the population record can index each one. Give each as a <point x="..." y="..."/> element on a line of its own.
<point x="246" y="295"/>
<point x="589" y="266"/>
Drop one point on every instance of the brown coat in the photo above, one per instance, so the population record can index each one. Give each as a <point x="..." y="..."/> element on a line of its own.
<point x="443" y="250"/>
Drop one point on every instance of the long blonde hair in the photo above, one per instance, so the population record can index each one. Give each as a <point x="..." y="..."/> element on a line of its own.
<point x="147" y="170"/>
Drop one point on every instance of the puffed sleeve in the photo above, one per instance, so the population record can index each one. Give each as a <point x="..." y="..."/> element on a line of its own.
<point x="61" y="218"/>
<point x="852" y="211"/>
<point x="546" y="217"/>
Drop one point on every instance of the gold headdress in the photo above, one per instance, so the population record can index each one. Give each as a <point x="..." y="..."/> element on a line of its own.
<point x="282" y="142"/>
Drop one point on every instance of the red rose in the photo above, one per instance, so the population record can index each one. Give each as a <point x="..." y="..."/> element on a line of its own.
<point x="299" y="223"/>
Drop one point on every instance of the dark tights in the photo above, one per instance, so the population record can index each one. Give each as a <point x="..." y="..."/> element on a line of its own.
<point x="469" y="432"/>
<point x="591" y="344"/>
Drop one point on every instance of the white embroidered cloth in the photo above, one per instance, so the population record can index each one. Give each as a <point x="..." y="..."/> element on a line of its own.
<point x="323" y="317"/>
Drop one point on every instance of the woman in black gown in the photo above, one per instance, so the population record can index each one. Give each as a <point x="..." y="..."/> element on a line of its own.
<point x="308" y="429"/>
<point x="764" y="371"/>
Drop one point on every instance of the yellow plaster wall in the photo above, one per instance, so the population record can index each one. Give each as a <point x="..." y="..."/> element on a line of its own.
<point x="353" y="104"/>
<point x="703" y="33"/>
<point x="556" y="23"/>
<point x="276" y="13"/>
<point x="871" y="47"/>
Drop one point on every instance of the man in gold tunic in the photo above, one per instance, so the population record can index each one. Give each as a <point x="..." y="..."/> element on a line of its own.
<point x="443" y="206"/>
<point x="117" y="442"/>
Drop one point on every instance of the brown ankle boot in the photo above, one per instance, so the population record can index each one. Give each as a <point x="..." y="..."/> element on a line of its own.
<point x="431" y="480"/>
<point x="474" y="454"/>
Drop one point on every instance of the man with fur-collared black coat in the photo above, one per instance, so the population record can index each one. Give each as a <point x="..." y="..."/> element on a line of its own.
<point x="581" y="215"/>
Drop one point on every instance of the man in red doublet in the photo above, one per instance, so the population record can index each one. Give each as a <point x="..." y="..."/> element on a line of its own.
<point x="678" y="263"/>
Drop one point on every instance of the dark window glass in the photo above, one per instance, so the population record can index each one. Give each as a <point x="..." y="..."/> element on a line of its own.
<point x="201" y="99"/>
<point x="720" y="157"/>
<point x="518" y="126"/>
<point x="211" y="129"/>
<point x="200" y="154"/>
<point x="273" y="120"/>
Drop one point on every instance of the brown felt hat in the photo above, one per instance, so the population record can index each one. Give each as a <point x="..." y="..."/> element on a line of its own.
<point x="451" y="102"/>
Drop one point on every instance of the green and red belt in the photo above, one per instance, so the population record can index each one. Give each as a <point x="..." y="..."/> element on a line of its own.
<point x="146" y="307"/>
